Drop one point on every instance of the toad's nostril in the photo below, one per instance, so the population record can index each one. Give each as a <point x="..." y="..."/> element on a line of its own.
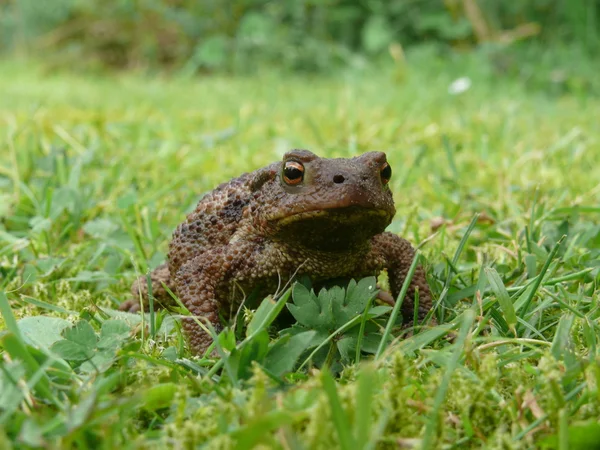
<point x="338" y="179"/>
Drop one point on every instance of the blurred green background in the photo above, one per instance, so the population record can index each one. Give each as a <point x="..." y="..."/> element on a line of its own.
<point x="515" y="37"/>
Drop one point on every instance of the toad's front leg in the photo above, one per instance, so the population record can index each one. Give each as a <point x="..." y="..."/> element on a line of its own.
<point x="205" y="284"/>
<point x="398" y="254"/>
<point x="202" y="288"/>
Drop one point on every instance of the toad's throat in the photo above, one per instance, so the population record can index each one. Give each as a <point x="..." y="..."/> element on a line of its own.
<point x="333" y="229"/>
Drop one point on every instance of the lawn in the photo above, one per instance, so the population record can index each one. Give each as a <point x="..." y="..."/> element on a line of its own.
<point x="498" y="185"/>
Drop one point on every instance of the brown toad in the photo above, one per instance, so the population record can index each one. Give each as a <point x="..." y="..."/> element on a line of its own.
<point x="304" y="215"/>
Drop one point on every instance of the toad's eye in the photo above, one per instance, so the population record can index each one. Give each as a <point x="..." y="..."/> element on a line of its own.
<point x="386" y="173"/>
<point x="293" y="172"/>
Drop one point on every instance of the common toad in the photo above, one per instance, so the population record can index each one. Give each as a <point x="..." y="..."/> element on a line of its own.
<point x="304" y="215"/>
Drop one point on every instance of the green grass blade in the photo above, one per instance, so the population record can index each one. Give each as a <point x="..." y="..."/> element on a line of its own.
<point x="248" y="436"/>
<point x="266" y="313"/>
<point x="457" y="253"/>
<point x="365" y="392"/>
<point x="394" y="314"/>
<point x="361" y="331"/>
<point x="560" y="343"/>
<point x="450" y="156"/>
<point x="9" y="318"/>
<point x="340" y="330"/>
<point x="536" y="423"/>
<point x="338" y="415"/>
<point x="431" y="428"/>
<point x="536" y="284"/>
<point x="270" y="317"/>
<point x="15" y="347"/>
<point x="151" y="306"/>
<point x="503" y="298"/>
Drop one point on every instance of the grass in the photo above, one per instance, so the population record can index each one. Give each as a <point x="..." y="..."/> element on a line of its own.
<point x="499" y="186"/>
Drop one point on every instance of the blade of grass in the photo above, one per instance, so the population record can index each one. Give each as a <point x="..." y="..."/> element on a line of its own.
<point x="338" y="415"/>
<point x="367" y="382"/>
<point x="563" y="429"/>
<point x="450" y="155"/>
<point x="394" y="314"/>
<point x="531" y="228"/>
<point x="248" y="436"/>
<point x="432" y="422"/>
<point x="263" y="325"/>
<point x="536" y="423"/>
<point x="15" y="347"/>
<point x="24" y="390"/>
<point x="536" y="284"/>
<point x="45" y="305"/>
<point x="503" y="298"/>
<point x="361" y="332"/>
<point x="151" y="306"/>
<point x="341" y="329"/>
<point x="416" y="309"/>
<point x="455" y="258"/>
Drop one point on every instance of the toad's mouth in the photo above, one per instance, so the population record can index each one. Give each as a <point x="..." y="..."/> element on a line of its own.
<point x="332" y="229"/>
<point x="350" y="214"/>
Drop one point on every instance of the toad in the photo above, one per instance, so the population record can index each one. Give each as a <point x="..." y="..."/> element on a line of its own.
<point x="320" y="217"/>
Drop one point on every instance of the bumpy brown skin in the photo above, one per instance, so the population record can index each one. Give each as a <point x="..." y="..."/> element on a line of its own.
<point x="257" y="231"/>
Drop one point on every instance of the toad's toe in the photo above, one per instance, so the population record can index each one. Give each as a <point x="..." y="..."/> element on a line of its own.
<point x="130" y="306"/>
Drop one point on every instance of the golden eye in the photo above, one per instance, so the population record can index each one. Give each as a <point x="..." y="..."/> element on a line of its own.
<point x="386" y="173"/>
<point x="293" y="172"/>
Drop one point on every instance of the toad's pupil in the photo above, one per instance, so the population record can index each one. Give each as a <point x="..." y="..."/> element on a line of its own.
<point x="386" y="173"/>
<point x="293" y="173"/>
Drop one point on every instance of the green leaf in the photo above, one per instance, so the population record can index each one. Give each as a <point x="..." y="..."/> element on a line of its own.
<point x="82" y="411"/>
<point x="580" y="436"/>
<point x="100" y="228"/>
<point x="81" y="333"/>
<point x="418" y="341"/>
<point x="261" y="313"/>
<point x="248" y="436"/>
<point x="113" y="334"/>
<point x="347" y="347"/>
<point x="286" y="351"/>
<point x="113" y="328"/>
<point x="314" y="311"/>
<point x="266" y="313"/>
<point x="369" y="343"/>
<point x="211" y="52"/>
<point x="39" y="224"/>
<point x="78" y="344"/>
<point x="42" y="331"/>
<point x="354" y="302"/>
<point x="254" y="350"/>
<point x="376" y="34"/>
<point x="31" y="433"/>
<point x="380" y="310"/>
<point x="72" y="351"/>
<point x="240" y="359"/>
<point x="159" y="396"/>
<point x="227" y="339"/>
